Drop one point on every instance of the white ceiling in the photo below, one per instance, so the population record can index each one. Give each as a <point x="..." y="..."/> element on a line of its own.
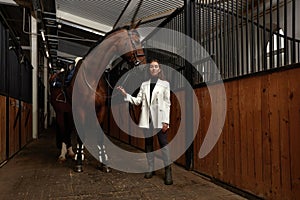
<point x="103" y="15"/>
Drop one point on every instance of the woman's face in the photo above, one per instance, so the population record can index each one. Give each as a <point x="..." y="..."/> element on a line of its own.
<point x="154" y="69"/>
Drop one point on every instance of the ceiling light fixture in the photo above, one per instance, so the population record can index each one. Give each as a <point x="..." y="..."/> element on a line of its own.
<point x="43" y="35"/>
<point x="47" y="53"/>
<point x="81" y="27"/>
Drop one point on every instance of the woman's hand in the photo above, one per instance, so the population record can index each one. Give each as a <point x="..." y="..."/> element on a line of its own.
<point x="122" y="90"/>
<point x="165" y="127"/>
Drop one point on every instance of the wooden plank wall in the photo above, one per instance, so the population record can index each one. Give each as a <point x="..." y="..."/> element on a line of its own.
<point x="259" y="149"/>
<point x="17" y="137"/>
<point x="14" y="128"/>
<point x="26" y="123"/>
<point x="177" y="126"/>
<point x="2" y="128"/>
<point x="117" y="133"/>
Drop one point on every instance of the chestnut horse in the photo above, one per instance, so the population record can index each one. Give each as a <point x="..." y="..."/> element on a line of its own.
<point x="124" y="42"/>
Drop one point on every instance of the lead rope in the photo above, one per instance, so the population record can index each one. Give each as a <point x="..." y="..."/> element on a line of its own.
<point x="106" y="80"/>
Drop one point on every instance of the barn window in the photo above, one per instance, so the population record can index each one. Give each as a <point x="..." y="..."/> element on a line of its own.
<point x="277" y="50"/>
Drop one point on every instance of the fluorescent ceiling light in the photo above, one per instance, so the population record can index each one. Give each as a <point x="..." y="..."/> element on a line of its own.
<point x="47" y="53"/>
<point x="9" y="2"/>
<point x="81" y="27"/>
<point x="43" y="35"/>
<point x="82" y="22"/>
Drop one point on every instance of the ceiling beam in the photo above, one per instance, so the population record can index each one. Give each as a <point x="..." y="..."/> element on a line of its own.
<point x="60" y="15"/>
<point x="131" y="4"/>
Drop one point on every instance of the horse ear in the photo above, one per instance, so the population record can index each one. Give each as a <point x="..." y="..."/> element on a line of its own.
<point x="138" y="24"/>
<point x="135" y="26"/>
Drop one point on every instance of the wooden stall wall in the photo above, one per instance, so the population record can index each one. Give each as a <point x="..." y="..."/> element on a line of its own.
<point x="177" y="116"/>
<point x="4" y="40"/>
<point x="26" y="123"/>
<point x="258" y="150"/>
<point x="116" y="132"/>
<point x="124" y="137"/>
<point x="2" y="128"/>
<point x="14" y="128"/>
<point x="15" y="87"/>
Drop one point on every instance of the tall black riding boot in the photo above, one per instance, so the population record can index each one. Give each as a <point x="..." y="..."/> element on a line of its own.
<point x="167" y="163"/>
<point x="168" y="175"/>
<point x="150" y="160"/>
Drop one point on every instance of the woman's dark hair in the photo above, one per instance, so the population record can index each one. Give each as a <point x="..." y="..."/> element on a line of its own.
<point x="161" y="74"/>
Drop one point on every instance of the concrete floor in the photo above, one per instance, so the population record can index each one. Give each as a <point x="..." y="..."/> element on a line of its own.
<point x="35" y="173"/>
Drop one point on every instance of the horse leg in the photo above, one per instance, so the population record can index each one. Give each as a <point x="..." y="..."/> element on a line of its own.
<point x="58" y="135"/>
<point x="79" y="156"/>
<point x="61" y="127"/>
<point x="68" y="138"/>
<point x="70" y="152"/>
<point x="103" y="157"/>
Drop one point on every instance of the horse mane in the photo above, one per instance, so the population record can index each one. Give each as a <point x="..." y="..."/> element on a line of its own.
<point x="105" y="36"/>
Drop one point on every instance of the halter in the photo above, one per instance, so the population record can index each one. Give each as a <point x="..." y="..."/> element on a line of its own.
<point x="136" y="56"/>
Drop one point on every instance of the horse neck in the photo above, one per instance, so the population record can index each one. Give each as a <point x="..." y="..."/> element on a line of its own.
<point x="105" y="57"/>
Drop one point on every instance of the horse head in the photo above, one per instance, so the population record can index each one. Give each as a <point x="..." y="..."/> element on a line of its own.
<point x="129" y="41"/>
<point x="122" y="43"/>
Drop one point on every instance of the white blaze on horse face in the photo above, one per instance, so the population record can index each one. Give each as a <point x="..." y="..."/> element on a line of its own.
<point x="154" y="69"/>
<point x="135" y="39"/>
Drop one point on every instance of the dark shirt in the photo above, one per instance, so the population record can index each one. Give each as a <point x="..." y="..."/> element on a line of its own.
<point x="153" y="82"/>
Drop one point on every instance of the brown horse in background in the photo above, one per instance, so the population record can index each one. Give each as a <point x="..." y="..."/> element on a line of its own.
<point x="63" y="110"/>
<point x="116" y="42"/>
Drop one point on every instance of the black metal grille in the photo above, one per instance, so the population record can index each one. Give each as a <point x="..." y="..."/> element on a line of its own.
<point x="241" y="37"/>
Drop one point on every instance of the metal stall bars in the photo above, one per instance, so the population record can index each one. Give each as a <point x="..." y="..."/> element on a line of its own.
<point x="245" y="37"/>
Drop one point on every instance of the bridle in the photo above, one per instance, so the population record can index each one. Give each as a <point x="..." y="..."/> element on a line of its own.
<point x="135" y="54"/>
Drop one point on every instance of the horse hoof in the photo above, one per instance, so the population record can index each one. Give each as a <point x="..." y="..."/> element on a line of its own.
<point x="104" y="168"/>
<point x="72" y="156"/>
<point x="78" y="168"/>
<point x="61" y="159"/>
<point x="107" y="169"/>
